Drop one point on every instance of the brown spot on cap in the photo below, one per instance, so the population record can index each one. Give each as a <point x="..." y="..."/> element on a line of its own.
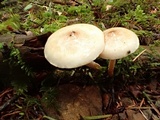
<point x="128" y="52"/>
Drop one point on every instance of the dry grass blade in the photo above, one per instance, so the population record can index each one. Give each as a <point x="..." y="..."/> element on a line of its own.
<point x="5" y="92"/>
<point x="141" y="110"/>
<point x="10" y="114"/>
<point x="139" y="55"/>
<point x="151" y="103"/>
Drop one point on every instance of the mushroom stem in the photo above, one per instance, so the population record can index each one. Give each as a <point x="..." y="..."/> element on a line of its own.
<point x="111" y="67"/>
<point x="94" y="65"/>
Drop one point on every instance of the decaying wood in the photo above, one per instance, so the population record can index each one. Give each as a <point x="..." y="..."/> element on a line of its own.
<point x="18" y="39"/>
<point x="24" y="40"/>
<point x="30" y="47"/>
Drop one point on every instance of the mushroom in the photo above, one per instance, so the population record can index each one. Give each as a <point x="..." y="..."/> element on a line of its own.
<point x="74" y="46"/>
<point x="119" y="43"/>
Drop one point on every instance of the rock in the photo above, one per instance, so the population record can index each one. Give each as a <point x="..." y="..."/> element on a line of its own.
<point x="134" y="115"/>
<point x="126" y="102"/>
<point x="148" y="113"/>
<point x="115" y="117"/>
<point x="75" y="101"/>
<point x="138" y="116"/>
<point x="130" y="114"/>
<point x="122" y="116"/>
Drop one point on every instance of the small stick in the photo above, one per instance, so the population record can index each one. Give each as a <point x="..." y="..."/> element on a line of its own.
<point x="141" y="103"/>
<point x="143" y="114"/>
<point x="90" y="2"/>
<point x="5" y="92"/>
<point x="142" y="108"/>
<point x="77" y="2"/>
<point x="96" y="117"/>
<point x="49" y="118"/>
<point x="8" y="103"/>
<point x="9" y="114"/>
<point x="139" y="55"/>
<point x="151" y="103"/>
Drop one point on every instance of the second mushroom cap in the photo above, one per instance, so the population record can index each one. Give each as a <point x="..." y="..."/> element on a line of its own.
<point x="119" y="42"/>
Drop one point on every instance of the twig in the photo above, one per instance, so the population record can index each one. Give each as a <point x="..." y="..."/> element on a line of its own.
<point x="139" y="55"/>
<point x="151" y="103"/>
<point x="143" y="114"/>
<point x="9" y="114"/>
<point x="66" y="3"/>
<point x="49" y="118"/>
<point x="141" y="110"/>
<point x="77" y="2"/>
<point x="35" y="49"/>
<point x="38" y="24"/>
<point x="8" y="103"/>
<point x="141" y="103"/>
<point x="5" y="92"/>
<point x="96" y="117"/>
<point x="90" y="2"/>
<point x="54" y="1"/>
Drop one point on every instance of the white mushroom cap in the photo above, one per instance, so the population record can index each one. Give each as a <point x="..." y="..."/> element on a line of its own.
<point x="74" y="46"/>
<point x="119" y="42"/>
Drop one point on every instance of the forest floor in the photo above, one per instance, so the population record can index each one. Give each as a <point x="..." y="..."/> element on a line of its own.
<point x="76" y="94"/>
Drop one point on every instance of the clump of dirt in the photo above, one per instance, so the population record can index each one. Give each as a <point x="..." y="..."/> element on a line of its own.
<point x="76" y="101"/>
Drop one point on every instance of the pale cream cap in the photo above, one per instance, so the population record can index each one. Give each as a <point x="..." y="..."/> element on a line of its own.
<point x="119" y="42"/>
<point x="74" y="46"/>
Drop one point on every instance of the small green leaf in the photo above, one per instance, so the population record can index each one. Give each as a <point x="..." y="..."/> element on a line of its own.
<point x="96" y="117"/>
<point x="29" y="6"/>
<point x="21" y="113"/>
<point x="1" y="45"/>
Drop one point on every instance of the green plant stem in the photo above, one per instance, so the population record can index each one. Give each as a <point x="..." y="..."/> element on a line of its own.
<point x="49" y="118"/>
<point x="96" y="117"/>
